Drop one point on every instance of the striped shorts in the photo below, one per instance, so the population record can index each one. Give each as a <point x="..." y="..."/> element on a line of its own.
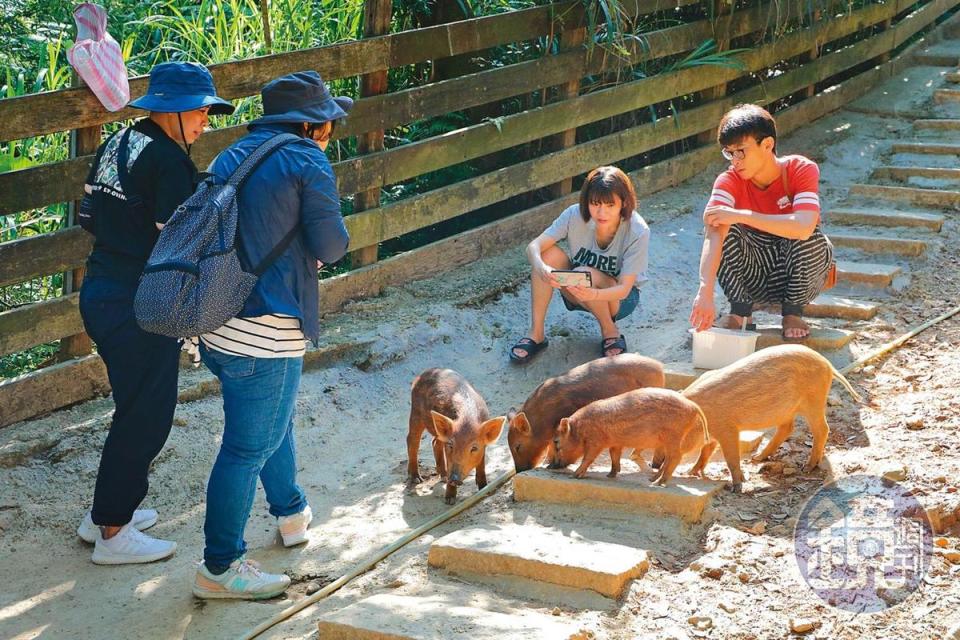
<point x="759" y="267"/>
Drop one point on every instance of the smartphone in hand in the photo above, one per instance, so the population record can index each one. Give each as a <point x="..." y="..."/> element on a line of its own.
<point x="573" y="278"/>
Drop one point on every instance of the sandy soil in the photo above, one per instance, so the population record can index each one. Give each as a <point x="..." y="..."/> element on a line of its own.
<point x="351" y="428"/>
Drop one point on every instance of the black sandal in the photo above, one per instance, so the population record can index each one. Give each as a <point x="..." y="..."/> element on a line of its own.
<point x="613" y="343"/>
<point x="527" y="344"/>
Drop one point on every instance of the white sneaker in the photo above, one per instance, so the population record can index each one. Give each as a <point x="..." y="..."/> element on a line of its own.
<point x="293" y="529"/>
<point x="142" y="519"/>
<point x="130" y="546"/>
<point x="243" y="580"/>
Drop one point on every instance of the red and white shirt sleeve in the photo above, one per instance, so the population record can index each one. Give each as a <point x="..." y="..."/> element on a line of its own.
<point x="804" y="179"/>
<point x="725" y="191"/>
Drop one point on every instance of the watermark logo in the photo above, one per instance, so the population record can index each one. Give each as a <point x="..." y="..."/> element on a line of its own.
<point x="863" y="543"/>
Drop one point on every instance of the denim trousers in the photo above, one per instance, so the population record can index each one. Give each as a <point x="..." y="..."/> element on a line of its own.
<point x="259" y="399"/>
<point x="142" y="368"/>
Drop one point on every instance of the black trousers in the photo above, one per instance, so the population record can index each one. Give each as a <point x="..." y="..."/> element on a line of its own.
<point x="761" y="267"/>
<point x="142" y="368"/>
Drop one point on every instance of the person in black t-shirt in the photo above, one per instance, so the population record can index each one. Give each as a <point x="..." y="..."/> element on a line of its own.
<point x="140" y="175"/>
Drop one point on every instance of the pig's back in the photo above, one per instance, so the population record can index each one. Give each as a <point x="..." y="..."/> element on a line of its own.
<point x="448" y="392"/>
<point x="561" y="396"/>
<point x="638" y="404"/>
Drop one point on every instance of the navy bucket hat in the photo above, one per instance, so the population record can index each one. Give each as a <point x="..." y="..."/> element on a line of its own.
<point x="176" y="87"/>
<point x="301" y="97"/>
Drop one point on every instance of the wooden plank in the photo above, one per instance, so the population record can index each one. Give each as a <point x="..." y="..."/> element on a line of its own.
<point x="36" y="187"/>
<point x="919" y="19"/>
<point x="61" y="385"/>
<point x="376" y="19"/>
<point x="77" y="108"/>
<point x="61" y="181"/>
<point x="448" y="202"/>
<point x="83" y="142"/>
<point x="26" y="258"/>
<point x="565" y="139"/>
<point x="401" y="163"/>
<point x="41" y="322"/>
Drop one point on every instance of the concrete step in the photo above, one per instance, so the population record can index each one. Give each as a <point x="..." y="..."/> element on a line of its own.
<point x="537" y="553"/>
<point x="920" y="175"/>
<point x="937" y="124"/>
<point x="943" y="96"/>
<point x="944" y="149"/>
<point x="820" y="338"/>
<point x="685" y="498"/>
<point x="884" y="218"/>
<point x="878" y="244"/>
<point x="905" y="95"/>
<point x="443" y="613"/>
<point x="941" y="54"/>
<point x="873" y="275"/>
<point x="829" y="306"/>
<point x="939" y="198"/>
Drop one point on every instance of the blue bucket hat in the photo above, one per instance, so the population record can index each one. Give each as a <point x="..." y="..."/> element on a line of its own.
<point x="301" y="97"/>
<point x="176" y="87"/>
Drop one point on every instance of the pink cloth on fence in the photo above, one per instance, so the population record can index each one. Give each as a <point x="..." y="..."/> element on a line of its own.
<point x="97" y="58"/>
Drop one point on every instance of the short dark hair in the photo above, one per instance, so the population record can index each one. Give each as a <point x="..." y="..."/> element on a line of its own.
<point x="313" y="127"/>
<point x="746" y="120"/>
<point x="601" y="185"/>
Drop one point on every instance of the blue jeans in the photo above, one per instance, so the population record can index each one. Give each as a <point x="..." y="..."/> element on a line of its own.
<point x="627" y="305"/>
<point x="259" y="398"/>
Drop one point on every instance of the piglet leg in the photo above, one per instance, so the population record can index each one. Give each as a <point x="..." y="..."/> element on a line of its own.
<point x="482" y="472"/>
<point x="615" y="453"/>
<point x="820" y="431"/>
<point x="438" y="456"/>
<point x="705" y="452"/>
<point x="589" y="455"/>
<point x="778" y="438"/>
<point x="413" y="449"/>
<point x="451" y="495"/>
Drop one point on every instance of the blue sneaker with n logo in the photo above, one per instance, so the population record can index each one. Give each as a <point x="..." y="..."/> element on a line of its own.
<point x="243" y="580"/>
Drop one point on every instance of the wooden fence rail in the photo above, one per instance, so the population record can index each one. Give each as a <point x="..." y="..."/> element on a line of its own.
<point x="27" y="258"/>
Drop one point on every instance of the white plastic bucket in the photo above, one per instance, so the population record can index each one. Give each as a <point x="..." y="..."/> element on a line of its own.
<point x="715" y="347"/>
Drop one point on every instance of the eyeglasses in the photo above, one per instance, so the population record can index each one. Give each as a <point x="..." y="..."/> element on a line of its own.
<point x="736" y="154"/>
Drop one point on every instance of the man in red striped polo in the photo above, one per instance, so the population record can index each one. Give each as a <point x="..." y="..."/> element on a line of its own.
<point x="763" y="242"/>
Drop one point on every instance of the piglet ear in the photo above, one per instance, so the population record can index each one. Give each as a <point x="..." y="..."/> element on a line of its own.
<point x="520" y="424"/>
<point x="563" y="430"/>
<point x="443" y="426"/>
<point x="491" y="428"/>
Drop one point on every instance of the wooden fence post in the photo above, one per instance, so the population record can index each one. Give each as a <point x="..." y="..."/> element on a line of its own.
<point x="814" y="53"/>
<point x="720" y="8"/>
<point x="83" y="142"/>
<point x="569" y="40"/>
<point x="376" y="22"/>
<point x="885" y="57"/>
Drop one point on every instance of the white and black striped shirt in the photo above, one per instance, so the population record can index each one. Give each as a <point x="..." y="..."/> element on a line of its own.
<point x="270" y="336"/>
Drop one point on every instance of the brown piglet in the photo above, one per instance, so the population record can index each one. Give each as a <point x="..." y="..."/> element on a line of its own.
<point x="443" y="403"/>
<point x="643" y="419"/>
<point x="532" y="429"/>
<point x="767" y="388"/>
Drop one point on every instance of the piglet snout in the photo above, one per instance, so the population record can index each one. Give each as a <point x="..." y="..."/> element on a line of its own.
<point x="455" y="478"/>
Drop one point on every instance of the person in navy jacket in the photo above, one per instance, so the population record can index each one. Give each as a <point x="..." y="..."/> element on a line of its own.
<point x="258" y="355"/>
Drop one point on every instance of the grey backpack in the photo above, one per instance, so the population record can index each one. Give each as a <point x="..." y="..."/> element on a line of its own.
<point x="195" y="280"/>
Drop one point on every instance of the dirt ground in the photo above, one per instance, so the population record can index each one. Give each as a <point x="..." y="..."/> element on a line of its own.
<point x="732" y="576"/>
